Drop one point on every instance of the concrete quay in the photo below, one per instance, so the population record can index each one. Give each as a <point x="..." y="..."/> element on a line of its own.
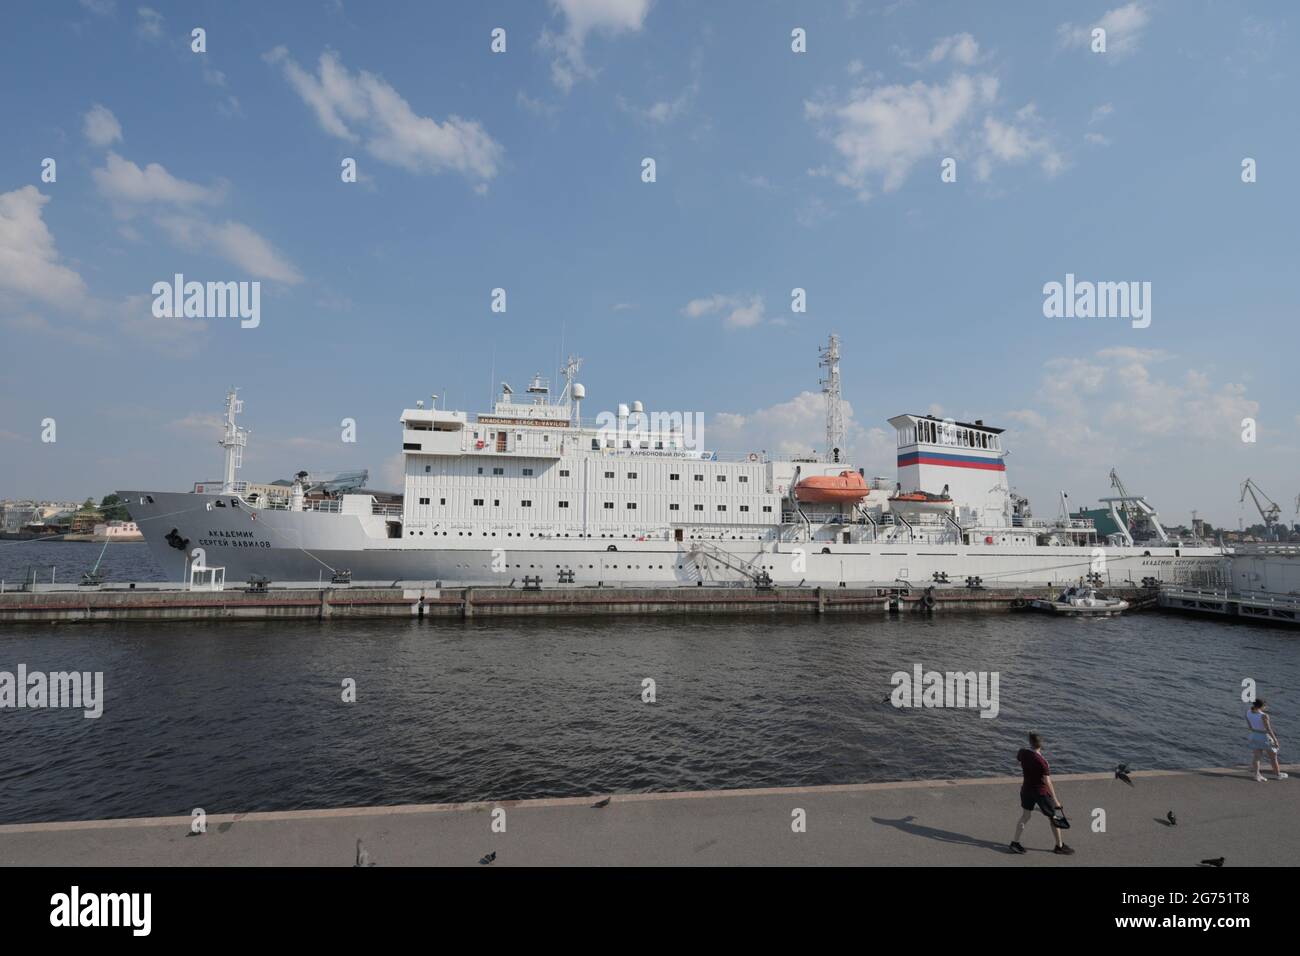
<point x="118" y="602"/>
<point x="1220" y="813"/>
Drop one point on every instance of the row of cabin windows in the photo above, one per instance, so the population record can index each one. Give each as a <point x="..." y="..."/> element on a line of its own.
<point x="609" y="505"/>
<point x="627" y="443"/>
<point x="564" y="473"/>
<point x="942" y="433"/>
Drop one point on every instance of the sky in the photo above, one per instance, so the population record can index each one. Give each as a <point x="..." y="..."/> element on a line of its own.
<point x="776" y="169"/>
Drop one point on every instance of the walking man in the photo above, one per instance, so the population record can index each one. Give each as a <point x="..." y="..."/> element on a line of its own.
<point x="1263" y="738"/>
<point x="1038" y="793"/>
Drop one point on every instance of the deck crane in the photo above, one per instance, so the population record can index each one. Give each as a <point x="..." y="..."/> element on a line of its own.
<point x="1269" y="514"/>
<point x="1128" y="511"/>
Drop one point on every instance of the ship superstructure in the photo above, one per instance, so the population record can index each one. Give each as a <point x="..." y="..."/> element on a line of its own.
<point x="530" y="492"/>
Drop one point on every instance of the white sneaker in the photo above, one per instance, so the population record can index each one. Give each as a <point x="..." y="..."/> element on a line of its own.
<point x="1283" y="776"/>
<point x="1259" y="778"/>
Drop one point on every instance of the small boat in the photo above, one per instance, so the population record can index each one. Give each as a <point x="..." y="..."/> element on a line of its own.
<point x="921" y="502"/>
<point x="1082" y="602"/>
<point x="845" y="488"/>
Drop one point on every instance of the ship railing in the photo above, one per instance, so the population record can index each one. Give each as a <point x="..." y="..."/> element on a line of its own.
<point x="327" y="505"/>
<point x="1270" y="598"/>
<point x="387" y="510"/>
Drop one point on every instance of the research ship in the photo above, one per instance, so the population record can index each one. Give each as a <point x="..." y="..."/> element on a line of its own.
<point x="530" y="494"/>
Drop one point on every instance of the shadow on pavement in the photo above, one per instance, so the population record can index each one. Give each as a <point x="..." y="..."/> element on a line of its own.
<point x="943" y="836"/>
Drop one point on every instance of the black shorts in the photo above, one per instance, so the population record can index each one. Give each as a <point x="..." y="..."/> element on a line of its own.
<point x="1029" y="801"/>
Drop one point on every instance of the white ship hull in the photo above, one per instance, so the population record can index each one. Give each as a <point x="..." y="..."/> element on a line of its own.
<point x="308" y="546"/>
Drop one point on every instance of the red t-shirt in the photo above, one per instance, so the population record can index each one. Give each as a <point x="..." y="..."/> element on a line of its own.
<point x="1036" y="769"/>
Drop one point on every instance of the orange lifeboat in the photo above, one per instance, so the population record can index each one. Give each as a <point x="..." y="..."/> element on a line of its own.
<point x="844" y="488"/>
<point x="921" y="502"/>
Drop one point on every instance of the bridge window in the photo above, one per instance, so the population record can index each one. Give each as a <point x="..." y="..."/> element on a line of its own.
<point x="609" y="506"/>
<point x="674" y="477"/>
<point x="674" y="507"/>
<point x="698" y="507"/>
<point x="525" y="503"/>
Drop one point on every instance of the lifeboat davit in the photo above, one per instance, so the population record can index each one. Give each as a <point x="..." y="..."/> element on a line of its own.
<point x="845" y="488"/>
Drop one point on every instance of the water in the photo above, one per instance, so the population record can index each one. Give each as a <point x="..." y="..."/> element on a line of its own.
<point x="68" y="560"/>
<point x="248" y="716"/>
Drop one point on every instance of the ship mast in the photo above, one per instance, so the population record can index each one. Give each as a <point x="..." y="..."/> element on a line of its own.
<point x="830" y="360"/>
<point x="233" y="441"/>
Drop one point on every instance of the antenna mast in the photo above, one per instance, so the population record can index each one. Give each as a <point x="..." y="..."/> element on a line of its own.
<point x="830" y="360"/>
<point x="233" y="441"/>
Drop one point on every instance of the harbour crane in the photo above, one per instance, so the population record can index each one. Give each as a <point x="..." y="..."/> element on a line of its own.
<point x="1269" y="514"/>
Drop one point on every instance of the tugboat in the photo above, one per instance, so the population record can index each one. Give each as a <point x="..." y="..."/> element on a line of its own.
<point x="1082" y="601"/>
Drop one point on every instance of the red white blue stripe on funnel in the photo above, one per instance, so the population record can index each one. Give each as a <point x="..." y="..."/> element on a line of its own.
<point x="950" y="461"/>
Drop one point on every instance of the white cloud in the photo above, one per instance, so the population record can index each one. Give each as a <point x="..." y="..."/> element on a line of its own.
<point x="880" y="133"/>
<point x="201" y="422"/>
<point x="30" y="266"/>
<point x="661" y="112"/>
<point x="345" y="103"/>
<point x="248" y="250"/>
<point x="960" y="48"/>
<point x="797" y="427"/>
<point x="582" y="18"/>
<point x="101" y="126"/>
<point x="101" y="8"/>
<point x="148" y="23"/>
<point x="1101" y="112"/>
<point x="235" y="242"/>
<point x="1117" y="397"/>
<point x="739" y="312"/>
<point x="1123" y="26"/>
<point x="1157" y="421"/>
<point x="123" y="181"/>
<point x="1012" y="144"/>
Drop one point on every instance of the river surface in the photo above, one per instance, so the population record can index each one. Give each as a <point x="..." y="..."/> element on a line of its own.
<point x="249" y="716"/>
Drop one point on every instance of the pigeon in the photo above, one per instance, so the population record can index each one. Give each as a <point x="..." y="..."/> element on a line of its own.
<point x="363" y="856"/>
<point x="600" y="804"/>
<point x="488" y="859"/>
<point x="1121" y="773"/>
<point x="1217" y="861"/>
<point x="1173" y="820"/>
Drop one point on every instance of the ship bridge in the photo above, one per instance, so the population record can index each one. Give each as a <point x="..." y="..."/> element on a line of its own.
<point x="966" y="457"/>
